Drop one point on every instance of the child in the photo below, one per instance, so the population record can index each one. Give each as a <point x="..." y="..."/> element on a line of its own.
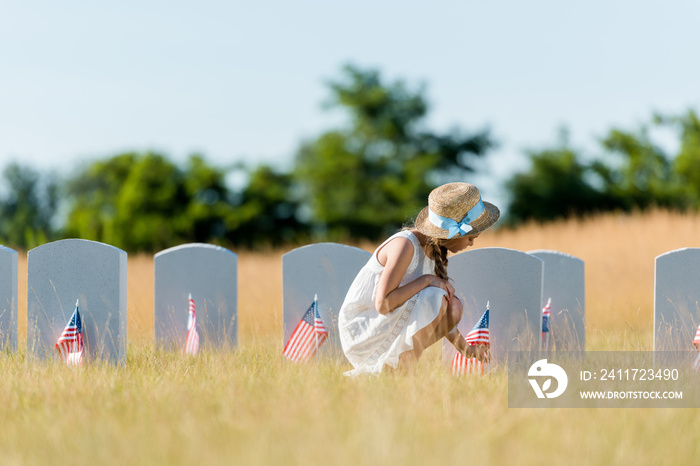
<point x="401" y="302"/>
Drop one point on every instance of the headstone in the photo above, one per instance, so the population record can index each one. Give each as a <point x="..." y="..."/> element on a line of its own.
<point x="62" y="272"/>
<point x="511" y="282"/>
<point x="564" y="283"/>
<point x="326" y="270"/>
<point x="8" y="298"/>
<point x="676" y="299"/>
<point x="210" y="274"/>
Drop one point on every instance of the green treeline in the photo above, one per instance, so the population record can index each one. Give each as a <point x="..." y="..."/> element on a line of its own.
<point x="363" y="179"/>
<point x="631" y="170"/>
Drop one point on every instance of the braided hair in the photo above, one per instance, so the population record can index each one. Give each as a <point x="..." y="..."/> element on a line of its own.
<point x="439" y="255"/>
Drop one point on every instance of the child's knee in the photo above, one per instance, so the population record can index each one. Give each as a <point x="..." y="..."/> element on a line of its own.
<point x="454" y="310"/>
<point x="444" y="307"/>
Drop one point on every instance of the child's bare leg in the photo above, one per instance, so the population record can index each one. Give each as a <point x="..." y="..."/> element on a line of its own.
<point x="408" y="361"/>
<point x="448" y="317"/>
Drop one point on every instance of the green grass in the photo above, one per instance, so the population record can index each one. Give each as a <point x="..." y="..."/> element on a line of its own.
<point x="249" y="406"/>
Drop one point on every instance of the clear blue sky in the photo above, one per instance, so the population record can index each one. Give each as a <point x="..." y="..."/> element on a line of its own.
<point x="245" y="80"/>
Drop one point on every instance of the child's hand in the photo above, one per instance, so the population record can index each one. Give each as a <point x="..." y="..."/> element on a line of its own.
<point x="479" y="352"/>
<point x="434" y="280"/>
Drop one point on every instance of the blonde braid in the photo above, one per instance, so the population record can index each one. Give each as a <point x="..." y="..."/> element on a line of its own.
<point x="439" y="253"/>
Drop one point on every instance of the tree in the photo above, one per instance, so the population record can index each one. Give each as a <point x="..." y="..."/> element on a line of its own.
<point x="146" y="202"/>
<point x="266" y="210"/>
<point x="149" y="205"/>
<point x="633" y="172"/>
<point x="93" y="193"/>
<point x="686" y="165"/>
<point x="557" y="185"/>
<point x="208" y="206"/>
<point x="27" y="207"/>
<point x="643" y="176"/>
<point x="376" y="173"/>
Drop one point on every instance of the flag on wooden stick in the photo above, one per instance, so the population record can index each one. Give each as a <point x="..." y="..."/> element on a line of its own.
<point x="546" y="316"/>
<point x="192" y="339"/>
<point x="70" y="343"/>
<point x="479" y="335"/>
<point x="308" y="335"/>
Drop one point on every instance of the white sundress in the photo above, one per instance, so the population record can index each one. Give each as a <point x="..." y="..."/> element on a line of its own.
<point x="370" y="339"/>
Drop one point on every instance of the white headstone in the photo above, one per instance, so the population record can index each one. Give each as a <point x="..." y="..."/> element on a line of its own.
<point x="8" y="298"/>
<point x="326" y="270"/>
<point x="564" y="283"/>
<point x="210" y="274"/>
<point x="511" y="282"/>
<point x="676" y="299"/>
<point x="62" y="272"/>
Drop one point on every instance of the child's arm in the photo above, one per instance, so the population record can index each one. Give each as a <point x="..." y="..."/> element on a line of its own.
<point x="389" y="295"/>
<point x="471" y="351"/>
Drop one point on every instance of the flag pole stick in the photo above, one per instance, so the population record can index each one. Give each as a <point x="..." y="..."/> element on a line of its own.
<point x="189" y="316"/>
<point x="316" y="312"/>
<point x="74" y="343"/>
<point x="541" y="332"/>
<point x="549" y="325"/>
<point x="484" y="367"/>
<point x="544" y="336"/>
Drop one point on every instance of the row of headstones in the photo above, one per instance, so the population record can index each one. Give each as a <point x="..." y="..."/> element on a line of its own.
<point x="515" y="284"/>
<point x="66" y="271"/>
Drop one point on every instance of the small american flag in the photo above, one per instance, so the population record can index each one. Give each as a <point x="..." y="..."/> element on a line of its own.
<point x="696" y="342"/>
<point x="307" y="336"/>
<point x="546" y="315"/>
<point x="479" y="335"/>
<point x="192" y="339"/>
<point x="70" y="343"/>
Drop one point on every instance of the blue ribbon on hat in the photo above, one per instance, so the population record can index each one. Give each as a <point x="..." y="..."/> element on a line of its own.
<point x="453" y="226"/>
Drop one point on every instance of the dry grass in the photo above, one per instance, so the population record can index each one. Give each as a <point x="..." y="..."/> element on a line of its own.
<point x="250" y="407"/>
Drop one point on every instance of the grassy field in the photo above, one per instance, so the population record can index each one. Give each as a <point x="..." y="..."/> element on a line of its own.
<point x="250" y="407"/>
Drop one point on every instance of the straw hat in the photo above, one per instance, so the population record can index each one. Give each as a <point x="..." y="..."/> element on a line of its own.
<point x="456" y="209"/>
